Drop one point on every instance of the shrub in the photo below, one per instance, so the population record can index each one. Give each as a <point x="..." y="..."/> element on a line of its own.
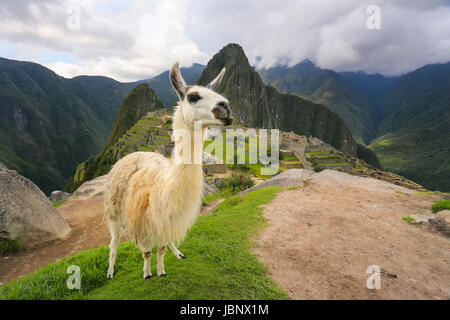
<point x="10" y="246"/>
<point x="240" y="167"/>
<point x="440" y="205"/>
<point x="236" y="181"/>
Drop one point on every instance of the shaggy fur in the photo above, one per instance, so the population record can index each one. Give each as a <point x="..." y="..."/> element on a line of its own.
<point x="155" y="199"/>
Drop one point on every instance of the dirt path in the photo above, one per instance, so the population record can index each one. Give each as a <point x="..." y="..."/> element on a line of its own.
<point x="322" y="238"/>
<point x="88" y="231"/>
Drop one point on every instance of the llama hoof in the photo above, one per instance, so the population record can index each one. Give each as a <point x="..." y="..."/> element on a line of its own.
<point x="163" y="275"/>
<point x="182" y="256"/>
<point x="148" y="277"/>
<point x="110" y="274"/>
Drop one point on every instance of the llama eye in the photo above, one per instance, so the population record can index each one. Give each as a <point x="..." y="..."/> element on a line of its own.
<point x="193" y="97"/>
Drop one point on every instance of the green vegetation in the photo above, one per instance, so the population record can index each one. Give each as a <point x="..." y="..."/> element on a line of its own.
<point x="57" y="204"/>
<point x="414" y="134"/>
<point x="236" y="181"/>
<point x="295" y="187"/>
<point x="8" y="246"/>
<point x="219" y="265"/>
<point x="440" y="205"/>
<point x="409" y="220"/>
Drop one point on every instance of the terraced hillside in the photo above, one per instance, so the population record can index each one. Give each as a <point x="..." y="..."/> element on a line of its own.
<point x="150" y="133"/>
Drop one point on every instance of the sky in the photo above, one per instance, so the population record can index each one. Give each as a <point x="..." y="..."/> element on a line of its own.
<point x="131" y="40"/>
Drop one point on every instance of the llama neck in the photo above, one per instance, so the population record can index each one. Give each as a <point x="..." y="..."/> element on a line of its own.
<point x="188" y="141"/>
<point x="186" y="174"/>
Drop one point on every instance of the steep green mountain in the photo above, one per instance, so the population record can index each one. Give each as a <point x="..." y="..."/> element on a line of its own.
<point x="49" y="124"/>
<point x="328" y="88"/>
<point x="414" y="134"/>
<point x="256" y="105"/>
<point x="163" y="88"/>
<point x="373" y="87"/>
<point x="140" y="101"/>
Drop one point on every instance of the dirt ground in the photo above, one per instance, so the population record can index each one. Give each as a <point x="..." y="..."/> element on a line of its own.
<point x="88" y="231"/>
<point x="322" y="238"/>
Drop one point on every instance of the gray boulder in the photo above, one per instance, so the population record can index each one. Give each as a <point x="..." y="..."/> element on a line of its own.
<point x="286" y="179"/>
<point x="26" y="213"/>
<point x="444" y="215"/>
<point x="92" y="189"/>
<point x="422" y="218"/>
<point x="58" y="196"/>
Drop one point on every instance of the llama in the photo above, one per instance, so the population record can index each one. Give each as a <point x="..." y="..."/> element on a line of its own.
<point x="156" y="199"/>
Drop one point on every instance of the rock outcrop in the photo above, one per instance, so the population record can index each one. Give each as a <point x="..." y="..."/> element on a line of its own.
<point x="26" y="213"/>
<point x="58" y="196"/>
<point x="288" y="178"/>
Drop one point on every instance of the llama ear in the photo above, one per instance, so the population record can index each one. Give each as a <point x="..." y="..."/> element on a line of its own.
<point x="215" y="83"/>
<point x="177" y="81"/>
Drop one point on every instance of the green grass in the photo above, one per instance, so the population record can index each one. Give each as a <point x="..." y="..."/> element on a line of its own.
<point x="409" y="220"/>
<point x="219" y="264"/>
<point x="57" y="204"/>
<point x="8" y="246"/>
<point x="440" y="205"/>
<point x="295" y="187"/>
<point x="430" y="193"/>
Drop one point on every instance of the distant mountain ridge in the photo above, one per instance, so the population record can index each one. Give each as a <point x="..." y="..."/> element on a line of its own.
<point x="48" y="124"/>
<point x="414" y="135"/>
<point x="328" y="88"/>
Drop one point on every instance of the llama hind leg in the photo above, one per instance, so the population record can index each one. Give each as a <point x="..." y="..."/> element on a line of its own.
<point x="176" y="252"/>
<point x="160" y="261"/>
<point x="114" y="230"/>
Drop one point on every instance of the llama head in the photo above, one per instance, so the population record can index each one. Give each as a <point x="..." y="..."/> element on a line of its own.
<point x="201" y="103"/>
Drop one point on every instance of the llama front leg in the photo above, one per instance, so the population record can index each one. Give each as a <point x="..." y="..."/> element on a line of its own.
<point x="160" y="261"/>
<point x="176" y="252"/>
<point x="114" y="230"/>
<point x="147" y="268"/>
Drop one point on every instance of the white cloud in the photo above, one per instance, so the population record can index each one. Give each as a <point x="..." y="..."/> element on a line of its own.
<point x="131" y="40"/>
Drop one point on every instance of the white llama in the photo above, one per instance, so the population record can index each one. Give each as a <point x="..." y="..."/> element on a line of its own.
<point x="156" y="199"/>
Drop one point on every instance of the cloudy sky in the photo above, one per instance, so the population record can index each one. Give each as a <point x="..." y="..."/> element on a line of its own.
<point x="131" y="40"/>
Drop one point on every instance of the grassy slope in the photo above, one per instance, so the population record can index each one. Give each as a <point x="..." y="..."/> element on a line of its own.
<point x="219" y="264"/>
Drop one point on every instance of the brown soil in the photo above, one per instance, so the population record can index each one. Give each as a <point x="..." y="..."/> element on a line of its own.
<point x="322" y="238"/>
<point x="85" y="217"/>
